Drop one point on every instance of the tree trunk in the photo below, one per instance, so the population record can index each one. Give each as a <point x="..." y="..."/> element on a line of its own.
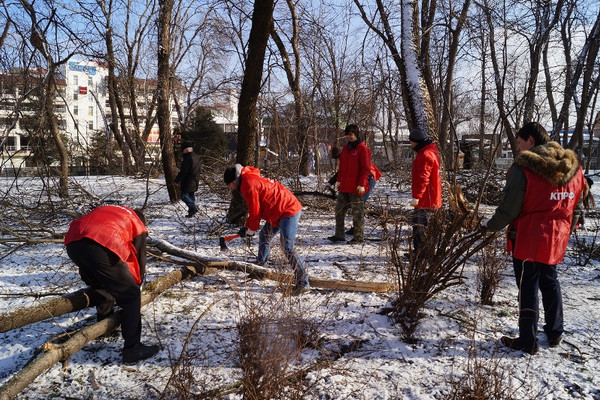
<point x="268" y="273"/>
<point x="262" y="20"/>
<point x="51" y="308"/>
<point x="112" y="101"/>
<point x="164" y="95"/>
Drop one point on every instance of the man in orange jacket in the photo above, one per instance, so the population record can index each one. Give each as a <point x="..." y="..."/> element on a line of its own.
<point x="109" y="247"/>
<point x="426" y="183"/>
<point x="374" y="176"/>
<point x="269" y="200"/>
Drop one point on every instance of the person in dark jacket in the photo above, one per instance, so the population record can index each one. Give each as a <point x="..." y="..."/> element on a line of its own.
<point x="188" y="178"/>
<point x="109" y="247"/>
<point x="426" y="184"/>
<point x="542" y="192"/>
<point x="353" y="183"/>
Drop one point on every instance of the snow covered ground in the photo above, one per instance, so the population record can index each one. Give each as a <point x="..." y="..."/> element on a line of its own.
<point x="457" y="334"/>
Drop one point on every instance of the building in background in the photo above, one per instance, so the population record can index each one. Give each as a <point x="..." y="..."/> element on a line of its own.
<point x="81" y="108"/>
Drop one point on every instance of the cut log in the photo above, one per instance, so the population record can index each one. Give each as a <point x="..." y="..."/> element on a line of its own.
<point x="51" y="308"/>
<point x="267" y="273"/>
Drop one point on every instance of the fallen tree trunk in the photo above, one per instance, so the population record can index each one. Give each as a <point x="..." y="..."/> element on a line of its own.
<point x="54" y="353"/>
<point x="267" y="273"/>
<point x="81" y="299"/>
<point x="52" y="308"/>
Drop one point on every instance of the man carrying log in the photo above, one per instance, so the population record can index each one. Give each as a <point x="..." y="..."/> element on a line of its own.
<point x="109" y="247"/>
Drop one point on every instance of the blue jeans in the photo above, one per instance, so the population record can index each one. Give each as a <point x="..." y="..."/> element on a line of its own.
<point x="190" y="200"/>
<point x="288" y="228"/>
<point x="533" y="276"/>
<point x="372" y="183"/>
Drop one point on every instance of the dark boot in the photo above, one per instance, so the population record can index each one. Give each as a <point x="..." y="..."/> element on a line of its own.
<point x="517" y="344"/>
<point x="139" y="352"/>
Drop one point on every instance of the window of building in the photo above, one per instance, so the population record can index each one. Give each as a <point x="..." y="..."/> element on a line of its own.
<point x="75" y="110"/>
<point x="76" y="94"/>
<point x="90" y="125"/>
<point x="11" y="143"/>
<point x="75" y="79"/>
<point x="90" y="110"/>
<point x="90" y="81"/>
<point x="25" y="143"/>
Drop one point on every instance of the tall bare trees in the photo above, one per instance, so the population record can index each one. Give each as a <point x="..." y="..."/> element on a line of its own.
<point x="391" y="66"/>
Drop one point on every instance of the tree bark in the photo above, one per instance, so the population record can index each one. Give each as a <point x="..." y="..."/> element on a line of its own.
<point x="61" y="305"/>
<point x="164" y="95"/>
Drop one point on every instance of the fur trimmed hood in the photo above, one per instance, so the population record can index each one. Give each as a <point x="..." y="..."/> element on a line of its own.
<point x="551" y="162"/>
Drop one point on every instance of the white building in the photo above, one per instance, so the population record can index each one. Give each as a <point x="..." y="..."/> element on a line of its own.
<point x="81" y="109"/>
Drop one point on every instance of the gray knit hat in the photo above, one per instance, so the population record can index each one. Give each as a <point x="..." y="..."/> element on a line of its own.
<point x="417" y="135"/>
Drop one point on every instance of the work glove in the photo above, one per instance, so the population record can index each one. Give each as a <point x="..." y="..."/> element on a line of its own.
<point x="414" y="202"/>
<point x="360" y="190"/>
<point x="244" y="231"/>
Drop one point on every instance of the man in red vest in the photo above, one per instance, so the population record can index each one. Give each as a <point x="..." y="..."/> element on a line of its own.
<point x="543" y="188"/>
<point x="109" y="247"/>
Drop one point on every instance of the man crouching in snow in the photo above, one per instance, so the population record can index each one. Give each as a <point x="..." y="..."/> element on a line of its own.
<point x="109" y="247"/>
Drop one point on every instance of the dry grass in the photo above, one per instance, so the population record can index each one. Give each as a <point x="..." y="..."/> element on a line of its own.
<point x="488" y="275"/>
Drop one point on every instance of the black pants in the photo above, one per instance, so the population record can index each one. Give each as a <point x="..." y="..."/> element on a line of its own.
<point x="533" y="277"/>
<point x="419" y="220"/>
<point x="111" y="280"/>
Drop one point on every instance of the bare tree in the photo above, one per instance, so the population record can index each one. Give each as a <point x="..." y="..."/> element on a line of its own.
<point x="165" y="11"/>
<point x="38" y="40"/>
<point x="293" y="75"/>
<point x="262" y="22"/>
<point x="416" y="98"/>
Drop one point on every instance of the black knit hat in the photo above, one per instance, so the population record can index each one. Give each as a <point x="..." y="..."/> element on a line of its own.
<point x="232" y="173"/>
<point x="417" y="135"/>
<point x="229" y="175"/>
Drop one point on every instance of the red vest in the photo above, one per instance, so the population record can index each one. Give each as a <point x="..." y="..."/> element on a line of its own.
<point x="544" y="224"/>
<point x="113" y="227"/>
